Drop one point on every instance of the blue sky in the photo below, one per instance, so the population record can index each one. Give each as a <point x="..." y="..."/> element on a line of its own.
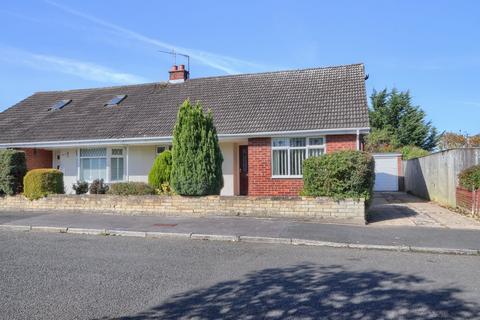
<point x="431" y="47"/>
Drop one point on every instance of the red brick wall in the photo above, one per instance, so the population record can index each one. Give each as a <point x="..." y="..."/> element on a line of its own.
<point x="341" y="142"/>
<point x="468" y="200"/>
<point x="260" y="181"/>
<point x="38" y="158"/>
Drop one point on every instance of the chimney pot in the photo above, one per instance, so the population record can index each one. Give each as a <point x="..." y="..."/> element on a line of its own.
<point x="181" y="67"/>
<point x="174" y="68"/>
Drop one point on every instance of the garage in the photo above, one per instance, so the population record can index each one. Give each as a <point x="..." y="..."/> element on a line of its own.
<point x="386" y="171"/>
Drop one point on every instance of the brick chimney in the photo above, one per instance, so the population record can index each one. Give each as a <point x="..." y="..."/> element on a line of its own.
<point x="178" y="74"/>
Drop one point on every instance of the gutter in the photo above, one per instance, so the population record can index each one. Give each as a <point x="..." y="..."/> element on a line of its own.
<point x="168" y="139"/>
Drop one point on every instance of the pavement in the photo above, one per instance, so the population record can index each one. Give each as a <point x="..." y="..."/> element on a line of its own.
<point x="246" y="229"/>
<point x="61" y="276"/>
<point x="403" y="209"/>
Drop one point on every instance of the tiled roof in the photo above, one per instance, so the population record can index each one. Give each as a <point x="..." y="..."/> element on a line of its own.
<point x="308" y="99"/>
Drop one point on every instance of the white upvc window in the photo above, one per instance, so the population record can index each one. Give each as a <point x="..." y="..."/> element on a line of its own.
<point x="161" y="148"/>
<point x="93" y="164"/>
<point x="288" y="154"/>
<point x="117" y="164"/>
<point x="101" y="163"/>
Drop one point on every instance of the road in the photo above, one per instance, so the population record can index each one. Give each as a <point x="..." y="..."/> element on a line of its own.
<point x="61" y="276"/>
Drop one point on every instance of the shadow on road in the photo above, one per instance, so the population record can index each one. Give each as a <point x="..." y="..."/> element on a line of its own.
<point x="309" y="291"/>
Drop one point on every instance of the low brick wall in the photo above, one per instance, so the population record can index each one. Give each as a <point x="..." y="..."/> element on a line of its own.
<point x="468" y="200"/>
<point x="273" y="207"/>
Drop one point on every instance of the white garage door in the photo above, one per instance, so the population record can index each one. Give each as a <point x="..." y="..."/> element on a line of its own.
<point x="386" y="172"/>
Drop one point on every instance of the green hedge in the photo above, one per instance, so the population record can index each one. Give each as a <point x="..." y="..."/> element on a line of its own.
<point x="340" y="175"/>
<point x="470" y="178"/>
<point x="130" y="189"/>
<point x="161" y="169"/>
<point x="39" y="183"/>
<point x="13" y="167"/>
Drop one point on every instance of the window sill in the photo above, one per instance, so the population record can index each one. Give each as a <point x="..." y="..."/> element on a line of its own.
<point x="287" y="177"/>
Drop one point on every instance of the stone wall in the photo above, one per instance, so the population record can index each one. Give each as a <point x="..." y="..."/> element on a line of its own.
<point x="273" y="207"/>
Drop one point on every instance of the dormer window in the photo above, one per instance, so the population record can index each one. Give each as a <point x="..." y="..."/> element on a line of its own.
<point x="116" y="100"/>
<point x="59" y="105"/>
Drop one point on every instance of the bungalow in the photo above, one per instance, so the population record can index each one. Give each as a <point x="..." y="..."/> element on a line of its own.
<point x="267" y="124"/>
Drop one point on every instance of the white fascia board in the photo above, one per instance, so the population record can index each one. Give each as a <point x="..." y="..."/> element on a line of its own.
<point x="168" y="139"/>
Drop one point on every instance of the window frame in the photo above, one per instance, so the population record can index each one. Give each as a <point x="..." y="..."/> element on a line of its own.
<point x="80" y="158"/>
<point x="108" y="165"/>
<point x="112" y="156"/>
<point x="166" y="146"/>
<point x="307" y="149"/>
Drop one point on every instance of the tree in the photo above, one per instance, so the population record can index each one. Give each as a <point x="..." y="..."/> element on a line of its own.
<point x="196" y="156"/>
<point x="392" y="112"/>
<point x="161" y="169"/>
<point x="451" y="140"/>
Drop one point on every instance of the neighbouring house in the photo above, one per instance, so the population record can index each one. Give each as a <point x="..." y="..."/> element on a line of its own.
<point x="267" y="124"/>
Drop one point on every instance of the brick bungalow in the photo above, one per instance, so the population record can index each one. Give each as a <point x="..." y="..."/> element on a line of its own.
<point x="267" y="124"/>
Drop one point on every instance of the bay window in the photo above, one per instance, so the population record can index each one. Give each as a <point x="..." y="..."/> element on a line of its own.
<point x="288" y="154"/>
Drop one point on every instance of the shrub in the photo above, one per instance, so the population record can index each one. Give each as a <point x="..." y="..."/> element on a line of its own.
<point x="161" y="169"/>
<point x="411" y="152"/>
<point x="12" y="170"/>
<point x="470" y="178"/>
<point x="81" y="187"/>
<point x="39" y="183"/>
<point x="98" y="187"/>
<point x="196" y="156"/>
<point x="131" y="189"/>
<point x="342" y="174"/>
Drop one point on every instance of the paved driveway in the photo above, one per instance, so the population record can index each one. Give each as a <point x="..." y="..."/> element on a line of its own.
<point x="402" y="209"/>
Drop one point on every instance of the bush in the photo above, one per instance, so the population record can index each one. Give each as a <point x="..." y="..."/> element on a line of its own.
<point x="39" y="183"/>
<point x="81" y="187"/>
<point x="131" y="189"/>
<point x="412" y="152"/>
<point x="470" y="178"/>
<point x="12" y="170"/>
<point x="161" y="169"/>
<point x="98" y="187"/>
<point x="340" y="175"/>
<point x="196" y="156"/>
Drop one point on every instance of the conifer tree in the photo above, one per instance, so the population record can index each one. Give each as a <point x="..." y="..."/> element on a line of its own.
<point x="196" y="156"/>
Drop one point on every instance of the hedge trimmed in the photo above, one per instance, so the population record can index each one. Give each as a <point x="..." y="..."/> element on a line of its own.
<point x="470" y="178"/>
<point x="39" y="183"/>
<point x="13" y="167"/>
<point x="161" y="169"/>
<point x="340" y="175"/>
<point x="131" y="189"/>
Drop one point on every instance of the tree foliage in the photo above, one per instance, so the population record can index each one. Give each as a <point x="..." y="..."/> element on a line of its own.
<point x="161" y="170"/>
<point x="196" y="156"/>
<point x="393" y="115"/>
<point x="12" y="170"/>
<point x="451" y="140"/>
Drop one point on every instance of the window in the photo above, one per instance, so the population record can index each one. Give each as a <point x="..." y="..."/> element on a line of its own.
<point x="116" y="165"/>
<point x="160" y="149"/>
<point x="115" y="100"/>
<point x="288" y="154"/>
<point x="59" y="105"/>
<point x="93" y="164"/>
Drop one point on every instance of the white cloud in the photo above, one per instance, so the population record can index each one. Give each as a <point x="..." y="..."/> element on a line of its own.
<point x="81" y="69"/>
<point x="226" y="64"/>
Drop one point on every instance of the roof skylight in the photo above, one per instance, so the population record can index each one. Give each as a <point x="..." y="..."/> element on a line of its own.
<point x="116" y="100"/>
<point x="59" y="105"/>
